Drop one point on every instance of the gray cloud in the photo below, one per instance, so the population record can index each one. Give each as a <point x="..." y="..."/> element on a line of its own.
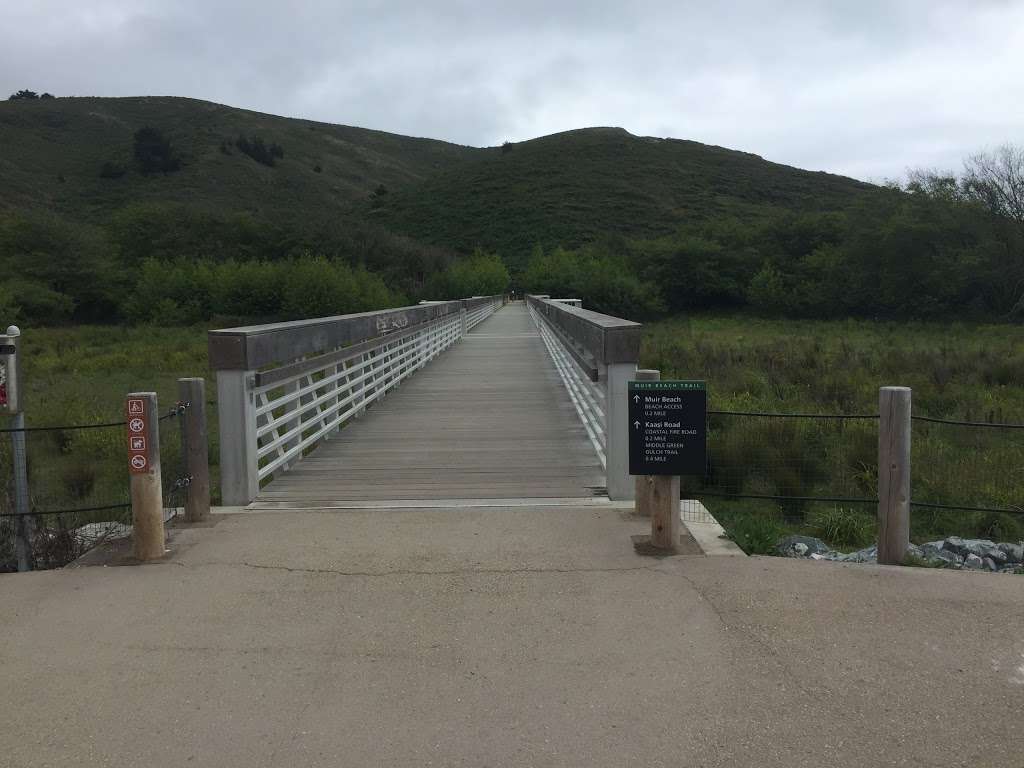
<point x="866" y="88"/>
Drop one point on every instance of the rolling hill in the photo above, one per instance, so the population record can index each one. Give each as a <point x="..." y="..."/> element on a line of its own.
<point x="566" y="189"/>
<point x="53" y="151"/>
<point x="569" y="188"/>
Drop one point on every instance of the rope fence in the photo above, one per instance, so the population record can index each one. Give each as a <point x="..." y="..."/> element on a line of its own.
<point x="78" y="493"/>
<point x="808" y="471"/>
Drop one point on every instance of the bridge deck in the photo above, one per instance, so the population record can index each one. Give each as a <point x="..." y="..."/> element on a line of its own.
<point x="488" y="419"/>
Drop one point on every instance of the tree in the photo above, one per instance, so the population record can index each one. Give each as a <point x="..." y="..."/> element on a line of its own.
<point x="996" y="180"/>
<point x="23" y="94"/>
<point x="154" y="152"/>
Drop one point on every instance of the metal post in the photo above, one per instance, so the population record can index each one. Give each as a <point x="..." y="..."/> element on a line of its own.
<point x="22" y="523"/>
<point x="236" y="411"/>
<point x="194" y="449"/>
<point x="657" y="496"/>
<point x="11" y="402"/>
<point x="621" y="486"/>
<point x="894" y="426"/>
<point x="143" y="417"/>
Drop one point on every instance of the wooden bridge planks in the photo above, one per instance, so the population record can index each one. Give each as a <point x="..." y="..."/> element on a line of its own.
<point x="487" y="419"/>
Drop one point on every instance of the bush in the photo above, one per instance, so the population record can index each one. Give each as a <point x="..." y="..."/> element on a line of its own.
<point x="843" y="527"/>
<point x="154" y="152"/>
<point x="598" y="276"/>
<point x="259" y="150"/>
<point x="482" y="274"/>
<point x="999" y="526"/>
<point x="38" y="302"/>
<point x="111" y="170"/>
<point x="756" y="534"/>
<point x="185" y="292"/>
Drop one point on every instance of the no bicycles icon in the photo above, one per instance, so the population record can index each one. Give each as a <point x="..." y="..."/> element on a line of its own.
<point x="138" y="445"/>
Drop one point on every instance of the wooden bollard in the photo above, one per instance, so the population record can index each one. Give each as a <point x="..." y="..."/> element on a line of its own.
<point x="894" y="425"/>
<point x="143" y="416"/>
<point x="194" y="449"/>
<point x="657" y="496"/>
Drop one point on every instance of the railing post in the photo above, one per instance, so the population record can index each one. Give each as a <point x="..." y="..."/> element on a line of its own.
<point x="462" y="319"/>
<point x="143" y="416"/>
<point x="195" y="450"/>
<point x="894" y="426"/>
<point x="236" y="408"/>
<point x="617" y="377"/>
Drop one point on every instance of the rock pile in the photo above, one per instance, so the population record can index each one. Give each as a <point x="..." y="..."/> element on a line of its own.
<point x="953" y="552"/>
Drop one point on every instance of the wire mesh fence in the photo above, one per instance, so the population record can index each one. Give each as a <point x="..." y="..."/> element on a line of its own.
<point x="967" y="479"/>
<point x="818" y="474"/>
<point x="78" y="492"/>
<point x="790" y="460"/>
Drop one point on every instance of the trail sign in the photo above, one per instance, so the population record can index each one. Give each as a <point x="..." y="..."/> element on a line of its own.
<point x="138" y="428"/>
<point x="668" y="427"/>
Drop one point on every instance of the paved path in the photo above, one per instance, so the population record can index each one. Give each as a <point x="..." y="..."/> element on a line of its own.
<point x="501" y="637"/>
<point x="489" y="418"/>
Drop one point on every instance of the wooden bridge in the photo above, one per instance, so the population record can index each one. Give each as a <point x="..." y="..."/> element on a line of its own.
<point x="478" y="399"/>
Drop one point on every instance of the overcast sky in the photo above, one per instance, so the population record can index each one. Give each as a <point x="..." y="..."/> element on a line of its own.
<point x="866" y="88"/>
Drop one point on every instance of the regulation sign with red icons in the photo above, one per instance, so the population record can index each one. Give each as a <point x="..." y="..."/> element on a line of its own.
<point x="138" y="423"/>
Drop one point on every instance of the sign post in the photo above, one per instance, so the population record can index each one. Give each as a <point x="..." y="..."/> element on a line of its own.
<point x="142" y="417"/>
<point x="10" y="403"/>
<point x="667" y="438"/>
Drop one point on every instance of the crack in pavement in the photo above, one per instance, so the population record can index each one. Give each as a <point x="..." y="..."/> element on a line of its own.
<point x="412" y="572"/>
<point x="769" y="650"/>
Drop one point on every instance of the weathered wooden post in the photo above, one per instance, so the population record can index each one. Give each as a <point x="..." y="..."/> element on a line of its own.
<point x="143" y="416"/>
<point x="657" y="496"/>
<point x="195" y="450"/>
<point x="894" y="426"/>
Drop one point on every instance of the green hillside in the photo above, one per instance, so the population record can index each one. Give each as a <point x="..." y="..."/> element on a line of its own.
<point x="569" y="188"/>
<point x="564" y="189"/>
<point x="217" y="211"/>
<point x="54" y="149"/>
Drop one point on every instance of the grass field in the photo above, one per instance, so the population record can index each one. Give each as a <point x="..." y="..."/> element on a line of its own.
<point x="80" y="375"/>
<point x="957" y="371"/>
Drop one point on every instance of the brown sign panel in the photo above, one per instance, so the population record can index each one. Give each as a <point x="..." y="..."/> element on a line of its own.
<point x="138" y="435"/>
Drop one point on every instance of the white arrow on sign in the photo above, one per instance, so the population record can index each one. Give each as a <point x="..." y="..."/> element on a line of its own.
<point x="636" y="424"/>
<point x="636" y="398"/>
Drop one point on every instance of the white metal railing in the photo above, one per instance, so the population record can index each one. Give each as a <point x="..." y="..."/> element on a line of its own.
<point x="296" y="413"/>
<point x="595" y="356"/>
<point x="478" y="314"/>
<point x="282" y="388"/>
<point x="588" y="396"/>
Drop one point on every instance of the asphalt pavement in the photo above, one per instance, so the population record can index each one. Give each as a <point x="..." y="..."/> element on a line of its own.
<point x="502" y="637"/>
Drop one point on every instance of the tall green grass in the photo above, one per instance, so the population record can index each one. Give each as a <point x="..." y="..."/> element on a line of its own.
<point x="957" y="371"/>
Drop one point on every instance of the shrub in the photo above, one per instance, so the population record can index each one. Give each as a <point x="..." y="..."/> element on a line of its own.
<point x="999" y="526"/>
<point x="111" y="170"/>
<point x="756" y="534"/>
<point x="259" y="150"/>
<point x="154" y="152"/>
<point x="482" y="274"/>
<point x="843" y="527"/>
